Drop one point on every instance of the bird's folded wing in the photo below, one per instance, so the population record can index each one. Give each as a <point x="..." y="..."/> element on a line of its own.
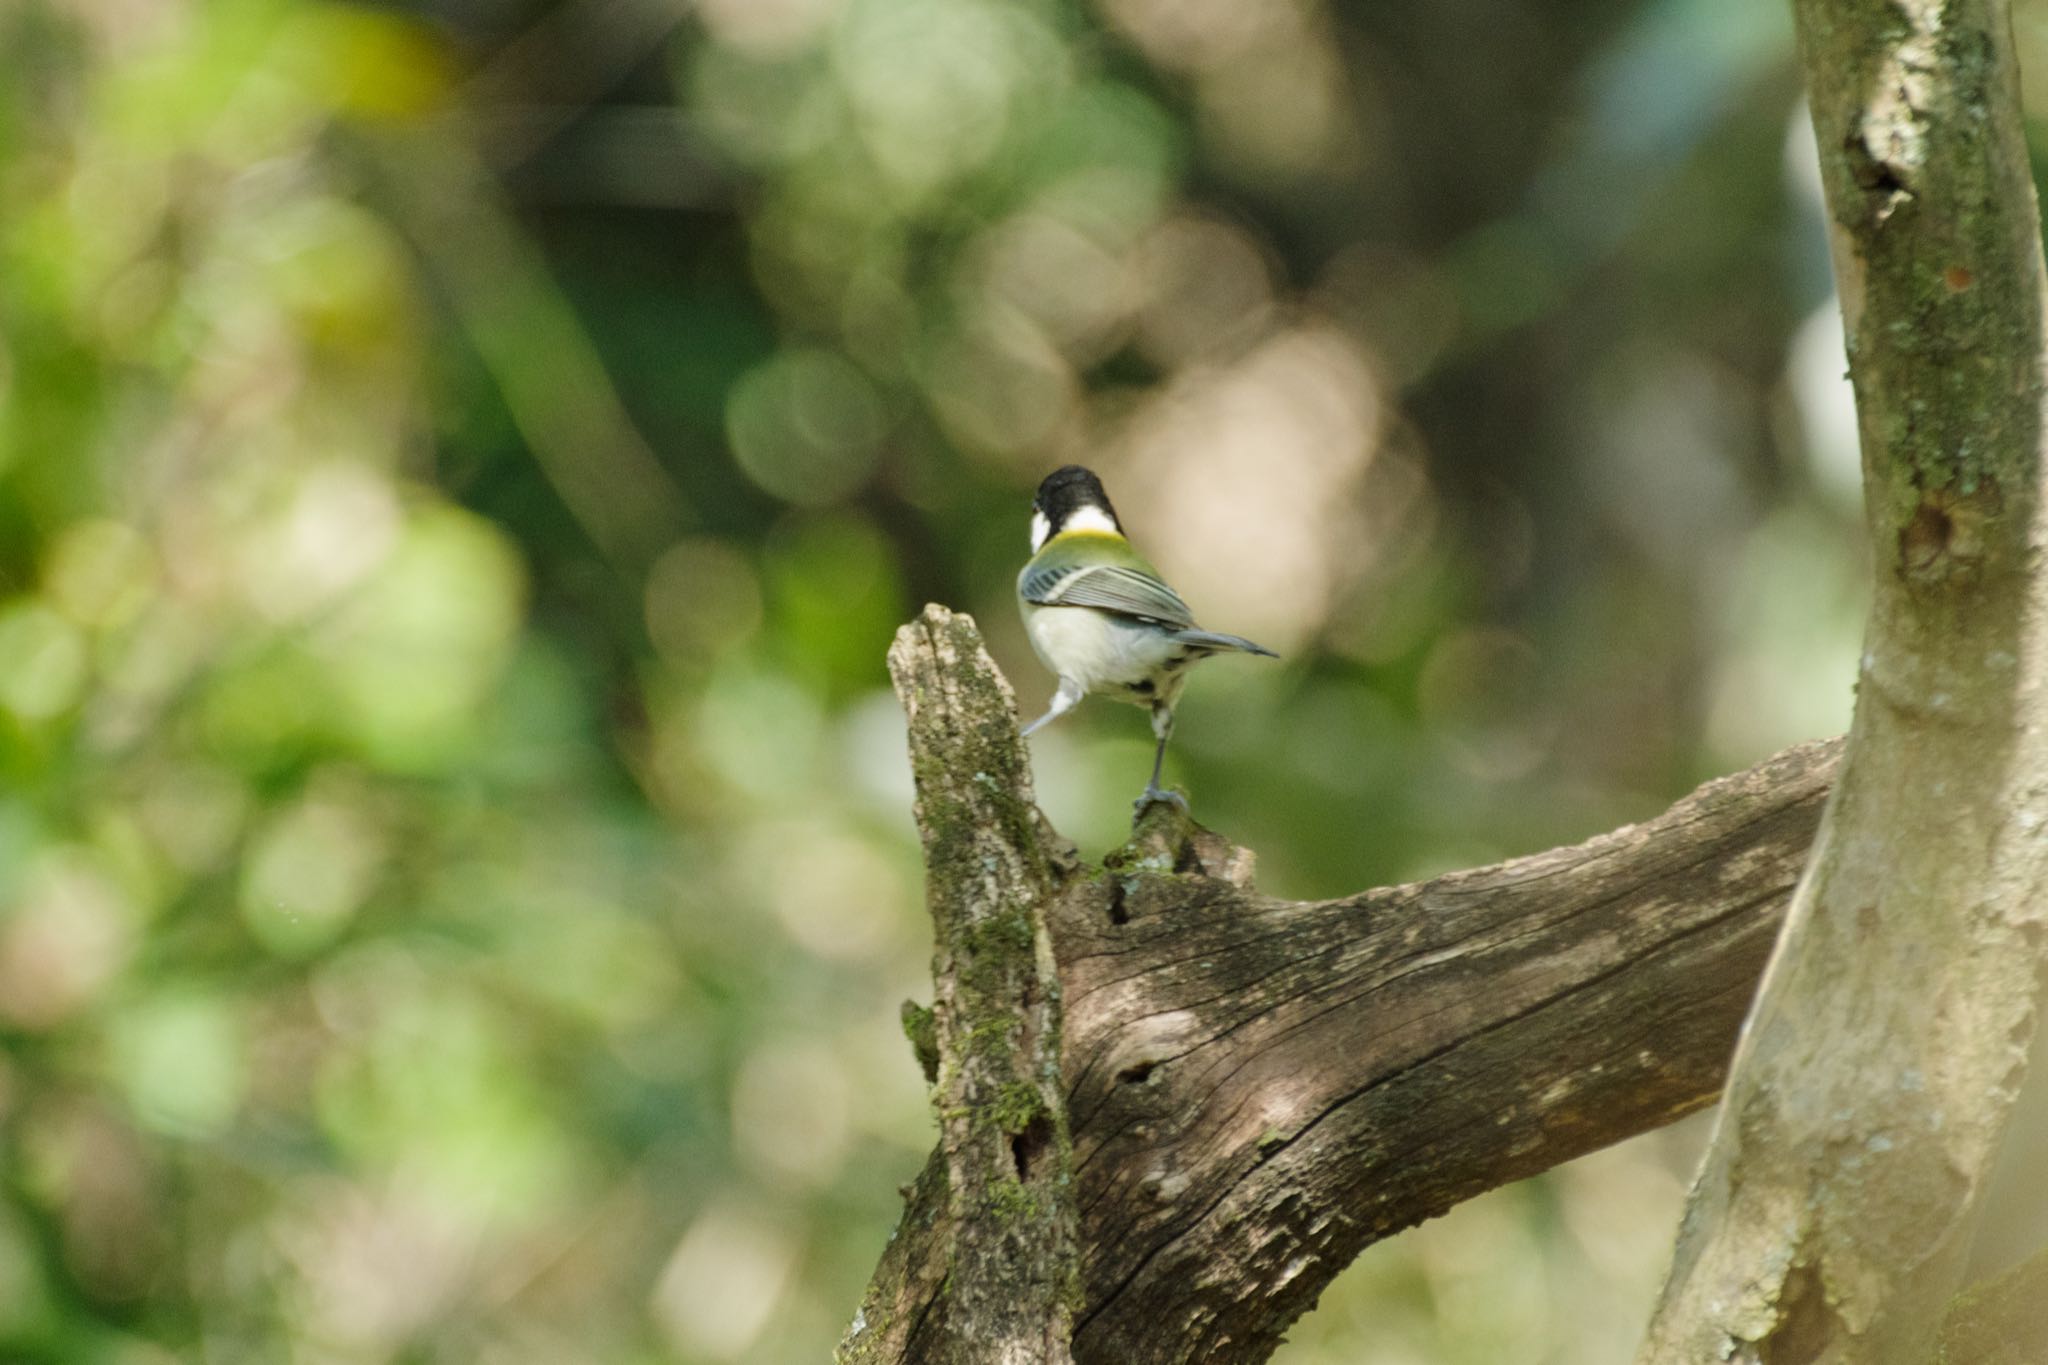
<point x="1130" y="592"/>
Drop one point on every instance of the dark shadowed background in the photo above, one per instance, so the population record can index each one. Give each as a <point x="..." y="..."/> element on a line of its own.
<point x="461" y="466"/>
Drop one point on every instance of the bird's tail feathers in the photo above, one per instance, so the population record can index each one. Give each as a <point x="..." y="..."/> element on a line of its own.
<point x="1209" y="639"/>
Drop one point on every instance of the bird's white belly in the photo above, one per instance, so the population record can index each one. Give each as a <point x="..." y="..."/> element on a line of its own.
<point x="1105" y="653"/>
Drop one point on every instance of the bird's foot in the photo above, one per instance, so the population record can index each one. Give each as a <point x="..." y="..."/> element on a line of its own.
<point x="1162" y="795"/>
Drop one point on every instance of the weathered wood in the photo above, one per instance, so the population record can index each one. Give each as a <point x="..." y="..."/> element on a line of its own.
<point x="1836" y="1204"/>
<point x="989" y="1272"/>
<point x="1258" y="1089"/>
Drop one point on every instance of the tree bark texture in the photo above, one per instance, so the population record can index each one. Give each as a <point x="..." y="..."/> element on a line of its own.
<point x="1835" y="1206"/>
<point x="993" y="1272"/>
<point x="1246" y="1092"/>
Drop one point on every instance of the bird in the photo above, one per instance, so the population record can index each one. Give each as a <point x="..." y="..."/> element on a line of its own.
<point x="1102" y="619"/>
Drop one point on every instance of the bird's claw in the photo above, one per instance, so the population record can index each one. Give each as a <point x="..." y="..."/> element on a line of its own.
<point x="1162" y="795"/>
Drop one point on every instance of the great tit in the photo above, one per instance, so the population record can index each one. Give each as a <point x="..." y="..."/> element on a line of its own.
<point x="1101" y="617"/>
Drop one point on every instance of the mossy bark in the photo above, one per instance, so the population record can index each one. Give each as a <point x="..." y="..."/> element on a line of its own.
<point x="1172" y="1108"/>
<point x="987" y="1266"/>
<point x="1836" y="1203"/>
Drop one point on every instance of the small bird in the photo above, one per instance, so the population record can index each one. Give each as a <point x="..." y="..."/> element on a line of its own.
<point x="1102" y="618"/>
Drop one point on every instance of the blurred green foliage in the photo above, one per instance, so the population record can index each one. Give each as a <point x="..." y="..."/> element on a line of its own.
<point x="461" y="466"/>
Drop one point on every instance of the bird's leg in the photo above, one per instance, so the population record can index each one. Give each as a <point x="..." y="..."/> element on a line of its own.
<point x="1064" y="700"/>
<point x="1162" y="726"/>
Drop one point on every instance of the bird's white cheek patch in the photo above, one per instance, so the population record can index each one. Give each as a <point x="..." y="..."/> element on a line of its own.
<point x="1040" y="529"/>
<point x="1086" y="518"/>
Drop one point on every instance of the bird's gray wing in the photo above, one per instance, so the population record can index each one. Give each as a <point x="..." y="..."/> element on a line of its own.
<point x="1107" y="587"/>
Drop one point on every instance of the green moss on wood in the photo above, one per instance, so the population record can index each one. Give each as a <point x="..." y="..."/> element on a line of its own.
<point x="1010" y="1202"/>
<point x="1015" y="1106"/>
<point x="921" y="1027"/>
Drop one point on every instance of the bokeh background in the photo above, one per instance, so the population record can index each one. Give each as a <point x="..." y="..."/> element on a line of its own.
<point x="460" y="469"/>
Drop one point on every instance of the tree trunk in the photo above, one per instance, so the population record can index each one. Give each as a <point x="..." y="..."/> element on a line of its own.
<point x="1835" y="1206"/>
<point x="1251" y="1091"/>
<point x="989" y="1271"/>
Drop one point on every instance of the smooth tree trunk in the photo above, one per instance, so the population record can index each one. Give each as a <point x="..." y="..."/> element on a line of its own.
<point x="1836" y="1203"/>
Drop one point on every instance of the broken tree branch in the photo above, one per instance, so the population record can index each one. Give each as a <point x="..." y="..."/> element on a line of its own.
<point x="1255" y="1089"/>
<point x="991" y="1272"/>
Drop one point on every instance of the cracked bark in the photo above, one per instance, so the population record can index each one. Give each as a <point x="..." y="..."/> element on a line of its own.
<point x="1250" y="1091"/>
<point x="1837" y="1200"/>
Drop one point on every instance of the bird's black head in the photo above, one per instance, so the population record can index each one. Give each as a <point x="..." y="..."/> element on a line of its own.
<point x="1071" y="499"/>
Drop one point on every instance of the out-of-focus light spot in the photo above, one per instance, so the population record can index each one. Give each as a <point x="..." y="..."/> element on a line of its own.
<point x="419" y="643"/>
<point x="877" y="754"/>
<point x="892" y="1103"/>
<point x="192" y="811"/>
<point x="1817" y="372"/>
<point x="65" y="938"/>
<point x="877" y="318"/>
<point x="791" y="1108"/>
<point x="180" y="1059"/>
<point x="157" y="654"/>
<point x="835" y="894"/>
<point x="1393" y="603"/>
<point x="341" y="522"/>
<point x="999" y="388"/>
<point x="805" y="426"/>
<point x="759" y="731"/>
<point x="1610" y="1200"/>
<point x="809" y="245"/>
<point x="307" y="871"/>
<point x="42" y="661"/>
<point x="435" y="1092"/>
<point x="723" y="1282"/>
<point x="931" y="82"/>
<point x="702" y="597"/>
<point x="1792" y="616"/>
<point x="358" y="986"/>
<point x="1247" y="482"/>
<point x="100" y="573"/>
<point x="1665" y="453"/>
<point x="372" y="1269"/>
<point x="1197" y="34"/>
<point x="336" y="275"/>
<point x="835" y="593"/>
<point x="1802" y="156"/>
<point x="1112" y="203"/>
<point x="1074" y="288"/>
<point x="1486" y="1275"/>
<point x="374" y="64"/>
<point x="588" y="957"/>
<point x="1278" y="113"/>
<point x="761" y="111"/>
<point x="1206" y="290"/>
<point x="768" y="28"/>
